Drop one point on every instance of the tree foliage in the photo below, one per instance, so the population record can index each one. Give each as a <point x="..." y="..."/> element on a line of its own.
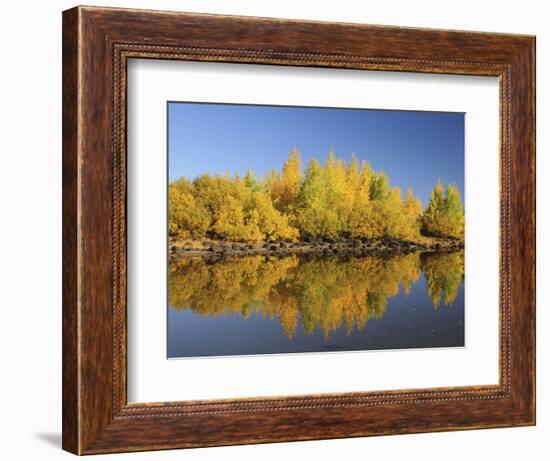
<point x="186" y="217"/>
<point x="444" y="215"/>
<point x="285" y="188"/>
<point x="330" y="200"/>
<point x="227" y="208"/>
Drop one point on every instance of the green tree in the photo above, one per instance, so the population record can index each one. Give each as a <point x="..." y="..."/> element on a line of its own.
<point x="444" y="215"/>
<point x="433" y="213"/>
<point x="313" y="212"/>
<point x="250" y="180"/>
<point x="454" y="212"/>
<point x="379" y="186"/>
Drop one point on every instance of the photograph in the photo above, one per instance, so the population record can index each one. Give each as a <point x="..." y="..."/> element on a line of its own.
<point x="297" y="229"/>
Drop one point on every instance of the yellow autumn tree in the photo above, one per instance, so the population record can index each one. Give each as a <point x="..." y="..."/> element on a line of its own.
<point x="272" y="224"/>
<point x="232" y="223"/>
<point x="338" y="196"/>
<point x="412" y="213"/>
<point x="285" y="188"/>
<point x="187" y="218"/>
<point x="334" y="200"/>
<point x="240" y="210"/>
<point x="360" y="222"/>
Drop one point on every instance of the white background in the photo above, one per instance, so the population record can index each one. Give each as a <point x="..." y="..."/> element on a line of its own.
<point x="152" y="378"/>
<point x="30" y="243"/>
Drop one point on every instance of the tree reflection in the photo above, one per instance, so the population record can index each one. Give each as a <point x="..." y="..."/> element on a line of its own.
<point x="320" y="293"/>
<point x="444" y="274"/>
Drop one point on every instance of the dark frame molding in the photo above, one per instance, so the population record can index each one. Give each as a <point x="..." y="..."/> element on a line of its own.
<point x="97" y="43"/>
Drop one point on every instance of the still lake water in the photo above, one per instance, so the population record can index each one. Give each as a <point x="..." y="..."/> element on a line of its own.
<point x="287" y="304"/>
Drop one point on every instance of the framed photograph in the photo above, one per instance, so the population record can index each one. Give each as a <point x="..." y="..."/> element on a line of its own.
<point x="281" y="230"/>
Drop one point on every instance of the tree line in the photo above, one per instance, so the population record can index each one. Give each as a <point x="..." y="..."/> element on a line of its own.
<point x="335" y="199"/>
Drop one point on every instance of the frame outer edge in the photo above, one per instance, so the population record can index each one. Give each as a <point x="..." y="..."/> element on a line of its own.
<point x="523" y="233"/>
<point x="70" y="216"/>
<point x="534" y="213"/>
<point x="91" y="423"/>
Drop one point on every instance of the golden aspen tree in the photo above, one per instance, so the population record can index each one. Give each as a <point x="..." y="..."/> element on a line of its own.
<point x="285" y="188"/>
<point x="361" y="219"/>
<point x="412" y="212"/>
<point x="392" y="214"/>
<point x="292" y="179"/>
<point x="272" y="223"/>
<point x="352" y="176"/>
<point x="186" y="217"/>
<point x="233" y="224"/>
<point x="336" y="197"/>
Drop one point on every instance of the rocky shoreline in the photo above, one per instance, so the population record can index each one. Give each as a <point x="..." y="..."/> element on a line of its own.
<point x="325" y="246"/>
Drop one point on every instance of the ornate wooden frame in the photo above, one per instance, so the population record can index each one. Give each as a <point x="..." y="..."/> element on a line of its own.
<point x="97" y="43"/>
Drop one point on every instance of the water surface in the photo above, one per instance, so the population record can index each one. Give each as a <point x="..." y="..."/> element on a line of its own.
<point x="248" y="305"/>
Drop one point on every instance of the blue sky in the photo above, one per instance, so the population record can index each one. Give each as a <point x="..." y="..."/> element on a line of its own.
<point x="414" y="148"/>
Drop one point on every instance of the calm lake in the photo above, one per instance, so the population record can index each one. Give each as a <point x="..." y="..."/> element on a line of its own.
<point x="248" y="305"/>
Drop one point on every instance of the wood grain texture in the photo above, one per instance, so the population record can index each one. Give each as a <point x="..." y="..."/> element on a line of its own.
<point x="70" y="384"/>
<point x="97" y="43"/>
